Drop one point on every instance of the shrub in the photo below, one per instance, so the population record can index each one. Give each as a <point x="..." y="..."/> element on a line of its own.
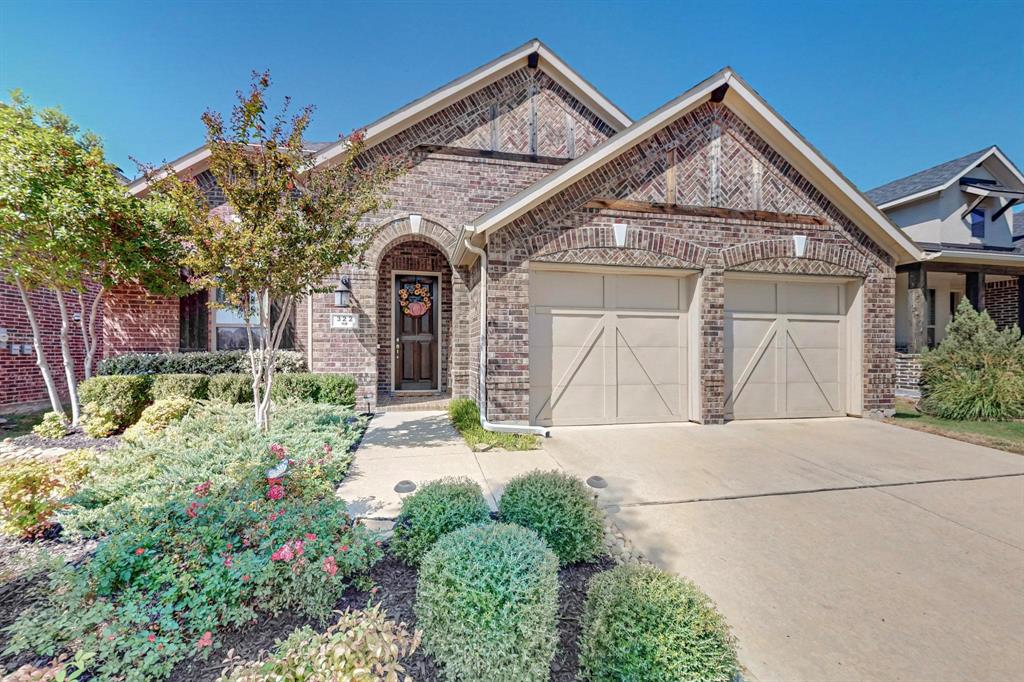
<point x="111" y="403"/>
<point x="487" y="602"/>
<point x="53" y="426"/>
<point x="435" y="509"/>
<point x="158" y="416"/>
<point x="640" y="623"/>
<point x="337" y="389"/>
<point x="362" y="645"/>
<point x="180" y="386"/>
<point x="465" y="417"/>
<point x="215" y="362"/>
<point x="218" y="443"/>
<point x="558" y="507"/>
<point x="234" y="389"/>
<point x="301" y="386"/>
<point x="977" y="372"/>
<point x="30" y="493"/>
<point x="75" y="466"/>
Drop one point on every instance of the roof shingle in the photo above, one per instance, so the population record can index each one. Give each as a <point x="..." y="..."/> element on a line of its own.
<point x="923" y="180"/>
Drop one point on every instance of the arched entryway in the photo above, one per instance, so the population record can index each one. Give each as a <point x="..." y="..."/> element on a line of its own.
<point x="414" y="318"/>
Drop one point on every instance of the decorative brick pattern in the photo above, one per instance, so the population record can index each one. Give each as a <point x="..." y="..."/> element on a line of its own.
<point x="1001" y="302"/>
<point x="20" y="380"/>
<point x="751" y="175"/>
<point x="908" y="372"/>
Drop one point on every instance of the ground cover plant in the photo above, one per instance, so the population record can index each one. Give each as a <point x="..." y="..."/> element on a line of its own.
<point x="437" y="508"/>
<point x="487" y="603"/>
<point x="196" y="539"/>
<point x="560" y="509"/>
<point x="640" y="623"/>
<point x="465" y="417"/>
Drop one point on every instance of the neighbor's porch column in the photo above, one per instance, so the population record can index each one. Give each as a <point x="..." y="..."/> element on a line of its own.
<point x="976" y="290"/>
<point x="917" y="307"/>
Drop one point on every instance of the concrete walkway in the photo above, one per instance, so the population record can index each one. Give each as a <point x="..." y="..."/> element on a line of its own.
<point x="421" y="447"/>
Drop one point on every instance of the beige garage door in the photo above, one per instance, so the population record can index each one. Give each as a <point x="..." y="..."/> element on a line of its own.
<point x="607" y="348"/>
<point x="784" y="349"/>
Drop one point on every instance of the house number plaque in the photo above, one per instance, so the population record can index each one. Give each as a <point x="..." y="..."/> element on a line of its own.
<point x="344" y="321"/>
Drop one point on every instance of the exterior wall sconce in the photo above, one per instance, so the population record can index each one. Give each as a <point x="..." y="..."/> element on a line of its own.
<point x="343" y="294"/>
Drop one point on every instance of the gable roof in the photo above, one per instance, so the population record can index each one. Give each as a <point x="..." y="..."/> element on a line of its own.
<point x="935" y="179"/>
<point x="419" y="109"/>
<point x="749" y="106"/>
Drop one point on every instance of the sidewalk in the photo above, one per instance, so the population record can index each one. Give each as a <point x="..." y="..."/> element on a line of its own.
<point x="421" y="447"/>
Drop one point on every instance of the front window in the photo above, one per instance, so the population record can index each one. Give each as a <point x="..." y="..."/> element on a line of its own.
<point x="978" y="223"/>
<point x="229" y="325"/>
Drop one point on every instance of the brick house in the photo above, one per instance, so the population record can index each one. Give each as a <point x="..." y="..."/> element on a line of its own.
<point x="563" y="264"/>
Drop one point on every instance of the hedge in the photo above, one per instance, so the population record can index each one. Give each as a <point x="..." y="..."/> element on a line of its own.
<point x="193" y="386"/>
<point x="335" y="389"/>
<point x="112" y="403"/>
<point x="215" y="362"/>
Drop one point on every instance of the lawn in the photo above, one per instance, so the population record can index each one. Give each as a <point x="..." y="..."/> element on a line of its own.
<point x="1007" y="436"/>
<point x="20" y="424"/>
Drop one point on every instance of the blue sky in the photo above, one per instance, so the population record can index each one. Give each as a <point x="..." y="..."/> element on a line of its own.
<point x="882" y="89"/>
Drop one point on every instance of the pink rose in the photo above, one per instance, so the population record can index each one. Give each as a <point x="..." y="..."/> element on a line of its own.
<point x="330" y="566"/>
<point x="151" y="638"/>
<point x="276" y="492"/>
<point x="311" y="537"/>
<point x="205" y="641"/>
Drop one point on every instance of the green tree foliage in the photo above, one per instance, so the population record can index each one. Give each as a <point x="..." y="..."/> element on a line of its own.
<point x="67" y="225"/>
<point x="977" y="372"/>
<point x="287" y="224"/>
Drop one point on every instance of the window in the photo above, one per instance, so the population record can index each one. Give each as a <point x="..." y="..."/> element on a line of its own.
<point x="229" y="324"/>
<point x="978" y="223"/>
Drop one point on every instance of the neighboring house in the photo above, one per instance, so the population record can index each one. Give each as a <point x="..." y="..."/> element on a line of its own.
<point x="960" y="213"/>
<point x="563" y="264"/>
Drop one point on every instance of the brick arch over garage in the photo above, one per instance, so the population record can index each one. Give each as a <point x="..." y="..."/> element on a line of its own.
<point x="780" y="256"/>
<point x="401" y="229"/>
<point x="595" y="245"/>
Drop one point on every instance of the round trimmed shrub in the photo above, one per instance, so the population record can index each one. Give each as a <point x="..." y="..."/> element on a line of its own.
<point x="487" y="603"/>
<point x="558" y="507"/>
<point x="53" y="427"/>
<point x="337" y="389"/>
<point x="233" y="389"/>
<point x="437" y="508"/>
<point x="180" y="386"/>
<point x="112" y="403"/>
<point x="640" y="623"/>
<point x="158" y="416"/>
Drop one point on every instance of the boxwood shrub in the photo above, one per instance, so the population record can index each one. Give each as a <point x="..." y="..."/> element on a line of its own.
<point x="180" y="386"/>
<point x="435" y="509"/>
<point x="214" y="362"/>
<point x="640" y="623"/>
<point x="335" y="389"/>
<point x="233" y="389"/>
<point x="158" y="416"/>
<point x="487" y="603"/>
<point x="559" y="508"/>
<point x="112" y="403"/>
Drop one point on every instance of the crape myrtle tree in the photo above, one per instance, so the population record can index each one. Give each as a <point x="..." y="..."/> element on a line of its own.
<point x="68" y="226"/>
<point x="287" y="222"/>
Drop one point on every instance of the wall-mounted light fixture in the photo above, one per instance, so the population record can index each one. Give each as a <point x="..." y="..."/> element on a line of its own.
<point x="343" y="294"/>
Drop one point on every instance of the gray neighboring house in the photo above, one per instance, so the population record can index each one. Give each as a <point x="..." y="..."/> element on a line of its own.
<point x="960" y="214"/>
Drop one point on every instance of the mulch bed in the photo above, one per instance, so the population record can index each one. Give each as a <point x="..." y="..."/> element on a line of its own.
<point x="396" y="583"/>
<point x="74" y="440"/>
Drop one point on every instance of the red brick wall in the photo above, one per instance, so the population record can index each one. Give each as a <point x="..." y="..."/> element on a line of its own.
<point x="136" y="321"/>
<point x="20" y="380"/>
<point x="1001" y="302"/>
<point x="719" y="162"/>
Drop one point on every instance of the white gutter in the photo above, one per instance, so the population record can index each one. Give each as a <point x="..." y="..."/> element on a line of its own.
<point x="482" y="372"/>
<point x="974" y="257"/>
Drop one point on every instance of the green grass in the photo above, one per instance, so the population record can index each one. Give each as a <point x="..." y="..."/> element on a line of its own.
<point x="465" y="418"/>
<point x="1007" y="436"/>
<point x="21" y="423"/>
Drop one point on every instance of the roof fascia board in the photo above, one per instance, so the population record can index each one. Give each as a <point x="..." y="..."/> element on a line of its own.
<point x="606" y="151"/>
<point x="848" y="196"/>
<point x="195" y="157"/>
<point x="974" y="258"/>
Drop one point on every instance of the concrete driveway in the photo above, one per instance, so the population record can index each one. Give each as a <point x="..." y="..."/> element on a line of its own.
<point x="838" y="549"/>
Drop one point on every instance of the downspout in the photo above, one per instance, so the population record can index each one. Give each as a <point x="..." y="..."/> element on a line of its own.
<point x="309" y="329"/>
<point x="482" y="371"/>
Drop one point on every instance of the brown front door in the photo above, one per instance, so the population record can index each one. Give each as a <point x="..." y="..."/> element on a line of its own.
<point x="416" y="333"/>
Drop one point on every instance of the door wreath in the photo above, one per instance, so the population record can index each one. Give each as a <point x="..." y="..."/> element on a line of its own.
<point x="414" y="298"/>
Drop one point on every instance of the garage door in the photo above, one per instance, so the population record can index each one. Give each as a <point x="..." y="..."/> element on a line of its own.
<point x="784" y="349"/>
<point x="606" y="348"/>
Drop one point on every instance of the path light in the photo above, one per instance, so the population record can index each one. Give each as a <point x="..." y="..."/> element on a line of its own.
<point x="405" y="487"/>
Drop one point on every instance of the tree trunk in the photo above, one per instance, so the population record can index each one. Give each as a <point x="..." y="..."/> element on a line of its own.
<point x="37" y="342"/>
<point x="69" y="361"/>
<point x="263" y="366"/>
<point x="89" y="336"/>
